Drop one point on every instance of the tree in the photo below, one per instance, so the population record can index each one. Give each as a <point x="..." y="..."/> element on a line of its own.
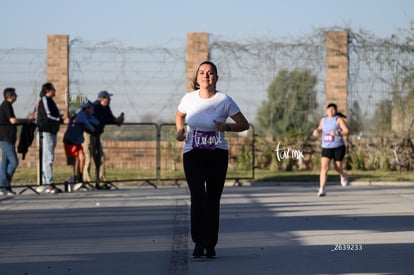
<point x="355" y="118"/>
<point x="382" y="119"/>
<point x="291" y="102"/>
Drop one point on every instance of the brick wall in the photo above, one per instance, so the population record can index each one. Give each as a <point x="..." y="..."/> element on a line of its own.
<point x="120" y="154"/>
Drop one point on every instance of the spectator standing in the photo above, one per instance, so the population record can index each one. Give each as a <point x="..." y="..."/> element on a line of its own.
<point x="205" y="153"/>
<point x="103" y="113"/>
<point x="8" y="136"/>
<point x="49" y="119"/>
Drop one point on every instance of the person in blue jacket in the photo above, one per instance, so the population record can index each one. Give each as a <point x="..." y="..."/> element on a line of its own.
<point x="82" y="121"/>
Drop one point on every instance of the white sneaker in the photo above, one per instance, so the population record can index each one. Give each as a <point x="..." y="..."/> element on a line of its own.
<point x="344" y="181"/>
<point x="321" y="193"/>
<point x="7" y="193"/>
<point x="77" y="186"/>
<point x="10" y="193"/>
<point x="53" y="190"/>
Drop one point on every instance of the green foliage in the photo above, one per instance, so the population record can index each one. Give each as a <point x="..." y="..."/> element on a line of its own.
<point x="380" y="160"/>
<point x="383" y="117"/>
<point x="291" y="100"/>
<point x="357" y="158"/>
<point x="245" y="157"/>
<point x="355" y="118"/>
<point x="264" y="151"/>
<point x="371" y="155"/>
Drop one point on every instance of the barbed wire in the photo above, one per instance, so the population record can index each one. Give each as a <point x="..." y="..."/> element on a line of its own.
<point x="149" y="82"/>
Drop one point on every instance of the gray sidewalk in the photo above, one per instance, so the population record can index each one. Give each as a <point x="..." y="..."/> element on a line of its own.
<point x="264" y="229"/>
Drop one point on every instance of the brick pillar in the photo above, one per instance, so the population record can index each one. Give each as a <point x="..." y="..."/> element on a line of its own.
<point x="58" y="74"/>
<point x="337" y="69"/>
<point x="58" y="69"/>
<point x="197" y="51"/>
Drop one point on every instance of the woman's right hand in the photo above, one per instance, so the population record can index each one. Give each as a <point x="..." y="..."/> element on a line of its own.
<point x="180" y="135"/>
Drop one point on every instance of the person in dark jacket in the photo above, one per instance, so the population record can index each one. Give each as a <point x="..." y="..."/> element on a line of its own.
<point x="49" y="119"/>
<point x="8" y="135"/>
<point x="102" y="111"/>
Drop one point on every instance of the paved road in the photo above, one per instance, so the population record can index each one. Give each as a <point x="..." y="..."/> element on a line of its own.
<point x="264" y="230"/>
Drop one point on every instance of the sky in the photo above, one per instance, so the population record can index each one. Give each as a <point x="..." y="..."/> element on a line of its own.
<point x="142" y="23"/>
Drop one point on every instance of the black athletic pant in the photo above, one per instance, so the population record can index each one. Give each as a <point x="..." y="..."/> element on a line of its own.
<point x="205" y="172"/>
<point x="96" y="151"/>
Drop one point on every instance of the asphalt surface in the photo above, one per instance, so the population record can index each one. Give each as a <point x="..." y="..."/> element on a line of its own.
<point x="265" y="229"/>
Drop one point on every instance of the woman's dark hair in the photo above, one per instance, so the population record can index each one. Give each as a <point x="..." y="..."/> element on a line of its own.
<point x="195" y="85"/>
<point x="333" y="105"/>
<point x="47" y="87"/>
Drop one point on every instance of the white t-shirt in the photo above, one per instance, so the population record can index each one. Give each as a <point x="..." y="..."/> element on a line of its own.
<point x="201" y="114"/>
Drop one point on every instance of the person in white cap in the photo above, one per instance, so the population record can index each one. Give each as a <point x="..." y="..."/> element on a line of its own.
<point x="103" y="112"/>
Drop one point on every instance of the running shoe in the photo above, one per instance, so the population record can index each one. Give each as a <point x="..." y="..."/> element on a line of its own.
<point x="321" y="193"/>
<point x="344" y="181"/>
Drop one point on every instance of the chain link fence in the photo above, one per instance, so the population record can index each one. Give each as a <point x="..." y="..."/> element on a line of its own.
<point x="149" y="82"/>
<point x="25" y="70"/>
